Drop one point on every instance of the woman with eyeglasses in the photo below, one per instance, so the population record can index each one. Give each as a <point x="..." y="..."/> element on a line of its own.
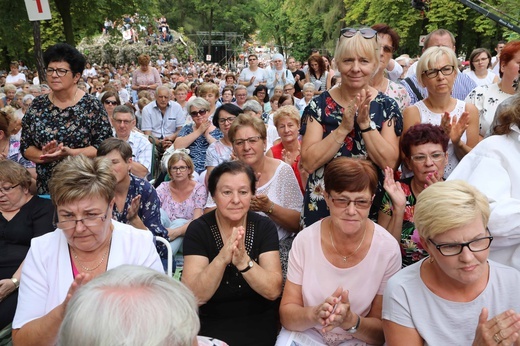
<point x="352" y="119"/>
<point x="469" y="299"/>
<point x="424" y="147"/>
<point x="22" y="218"/>
<point x="487" y="98"/>
<point x="388" y="40"/>
<point x="318" y="74"/>
<point x="65" y="122"/>
<point x="85" y="244"/>
<point x="110" y="101"/>
<point x="198" y="136"/>
<point x="436" y="71"/>
<point x="182" y="198"/>
<point x="339" y="266"/>
<point x="232" y="264"/>
<point x="222" y="149"/>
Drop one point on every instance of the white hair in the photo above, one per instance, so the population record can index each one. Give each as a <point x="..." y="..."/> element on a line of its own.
<point x="252" y="105"/>
<point x="131" y="305"/>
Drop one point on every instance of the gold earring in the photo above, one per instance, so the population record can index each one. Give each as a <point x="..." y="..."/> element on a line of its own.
<point x="432" y="259"/>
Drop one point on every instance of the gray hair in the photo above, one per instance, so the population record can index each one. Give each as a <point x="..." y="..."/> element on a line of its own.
<point x="35" y="88"/>
<point x="252" y="105"/>
<point x="309" y="87"/>
<point x="198" y="102"/>
<point x="123" y="109"/>
<point x="131" y="305"/>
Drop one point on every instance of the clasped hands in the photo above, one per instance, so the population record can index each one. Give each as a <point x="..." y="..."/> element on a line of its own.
<point x="54" y="151"/>
<point x="234" y="251"/>
<point x="357" y="110"/>
<point x="335" y="312"/>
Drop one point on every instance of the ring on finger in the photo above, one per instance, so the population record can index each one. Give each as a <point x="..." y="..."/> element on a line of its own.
<point x="497" y="338"/>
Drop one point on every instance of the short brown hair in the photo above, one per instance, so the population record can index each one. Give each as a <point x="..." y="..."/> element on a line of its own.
<point x="111" y="144"/>
<point x="349" y="174"/>
<point x="143" y="59"/>
<point x="79" y="177"/>
<point x="14" y="173"/>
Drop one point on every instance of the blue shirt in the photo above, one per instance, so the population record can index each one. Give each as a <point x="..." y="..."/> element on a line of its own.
<point x="461" y="88"/>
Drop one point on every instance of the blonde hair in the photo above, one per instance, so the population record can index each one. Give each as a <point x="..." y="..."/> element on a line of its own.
<point x="178" y="156"/>
<point x="208" y="88"/>
<point x="357" y="45"/>
<point x="288" y="111"/>
<point x="448" y="205"/>
<point x="430" y="58"/>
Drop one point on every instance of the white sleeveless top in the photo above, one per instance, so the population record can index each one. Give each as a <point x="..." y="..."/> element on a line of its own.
<point x="428" y="117"/>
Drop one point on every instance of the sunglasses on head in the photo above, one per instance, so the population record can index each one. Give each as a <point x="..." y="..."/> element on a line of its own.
<point x="367" y="33"/>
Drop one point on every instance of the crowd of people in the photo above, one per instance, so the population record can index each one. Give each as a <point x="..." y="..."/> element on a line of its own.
<point x="352" y="200"/>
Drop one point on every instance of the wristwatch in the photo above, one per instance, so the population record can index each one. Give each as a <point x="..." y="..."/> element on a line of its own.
<point x="15" y="282"/>
<point x="353" y="330"/>
<point x="371" y="127"/>
<point x="249" y="266"/>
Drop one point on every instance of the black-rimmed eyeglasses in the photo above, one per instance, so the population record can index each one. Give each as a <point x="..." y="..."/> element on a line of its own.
<point x="61" y="72"/>
<point x="434" y="72"/>
<point x="454" y="249"/>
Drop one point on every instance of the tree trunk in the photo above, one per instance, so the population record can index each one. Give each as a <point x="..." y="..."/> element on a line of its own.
<point x="63" y="7"/>
<point x="38" y="55"/>
<point x="210" y="31"/>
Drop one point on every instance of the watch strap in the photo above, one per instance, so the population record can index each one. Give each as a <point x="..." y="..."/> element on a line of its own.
<point x="369" y="128"/>
<point x="15" y="282"/>
<point x="249" y="266"/>
<point x="354" y="329"/>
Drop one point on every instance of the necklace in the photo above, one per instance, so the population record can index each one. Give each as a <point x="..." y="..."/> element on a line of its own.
<point x="345" y="258"/>
<point x="87" y="268"/>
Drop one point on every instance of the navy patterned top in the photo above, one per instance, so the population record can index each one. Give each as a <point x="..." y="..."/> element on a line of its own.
<point x="199" y="146"/>
<point x="149" y="210"/>
<point x="82" y="125"/>
<point x="329" y="114"/>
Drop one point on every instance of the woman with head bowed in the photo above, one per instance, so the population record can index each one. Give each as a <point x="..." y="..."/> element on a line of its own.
<point x="85" y="244"/>
<point x="470" y="300"/>
<point x="339" y="266"/>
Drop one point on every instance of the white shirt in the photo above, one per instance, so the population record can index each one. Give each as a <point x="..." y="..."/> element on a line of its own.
<point x="247" y="74"/>
<point x="162" y="125"/>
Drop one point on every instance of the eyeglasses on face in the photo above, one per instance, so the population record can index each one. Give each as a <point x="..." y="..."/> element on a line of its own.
<point x="229" y="120"/>
<point x="454" y="249"/>
<point x="435" y="156"/>
<point x="344" y="203"/>
<point x="241" y="95"/>
<point x="110" y="102"/>
<point x="250" y="140"/>
<point x="89" y="221"/>
<point x="5" y="190"/>
<point x="252" y="59"/>
<point x="61" y="72"/>
<point x="387" y="49"/>
<point x="178" y="169"/>
<point x="434" y="72"/>
<point x="121" y="122"/>
<point x="367" y="33"/>
<point x="200" y="113"/>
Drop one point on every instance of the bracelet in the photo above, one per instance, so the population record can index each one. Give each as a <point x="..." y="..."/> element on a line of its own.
<point x="334" y="137"/>
<point x="15" y="282"/>
<point x="271" y="208"/>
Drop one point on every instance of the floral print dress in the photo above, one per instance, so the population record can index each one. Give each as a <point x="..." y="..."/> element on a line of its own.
<point x="329" y="114"/>
<point x="411" y="249"/>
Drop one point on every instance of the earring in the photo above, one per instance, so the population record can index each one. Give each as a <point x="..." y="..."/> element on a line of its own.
<point x="432" y="259"/>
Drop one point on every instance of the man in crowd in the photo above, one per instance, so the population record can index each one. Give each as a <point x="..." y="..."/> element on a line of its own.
<point x="163" y="118"/>
<point x="495" y="61"/>
<point x="252" y="76"/>
<point x="299" y="77"/>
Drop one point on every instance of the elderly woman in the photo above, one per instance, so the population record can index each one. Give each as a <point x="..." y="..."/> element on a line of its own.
<point x="467" y="296"/>
<point x="182" y="198"/>
<point x="424" y="147"/>
<point x="328" y="297"/>
<point x="209" y="92"/>
<point x="10" y="92"/>
<point x="231" y="262"/>
<point x="227" y="95"/>
<point x="350" y="120"/>
<point x="388" y="40"/>
<point x="222" y="149"/>
<point x="287" y="122"/>
<point x="279" y="75"/>
<point x="86" y="243"/>
<point x="308" y="93"/>
<point x="262" y="95"/>
<point x="146" y="77"/>
<point x="493" y="168"/>
<point x="436" y="71"/>
<point x="22" y="218"/>
<point x="198" y="136"/>
<point x="65" y="122"/>
<point x="487" y="98"/>
<point x="318" y="74"/>
<point x="480" y="67"/>
<point x="10" y="146"/>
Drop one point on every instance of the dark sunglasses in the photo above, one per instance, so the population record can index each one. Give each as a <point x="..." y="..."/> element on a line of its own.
<point x="113" y="103"/>
<point x="367" y="33"/>
<point x="199" y="113"/>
